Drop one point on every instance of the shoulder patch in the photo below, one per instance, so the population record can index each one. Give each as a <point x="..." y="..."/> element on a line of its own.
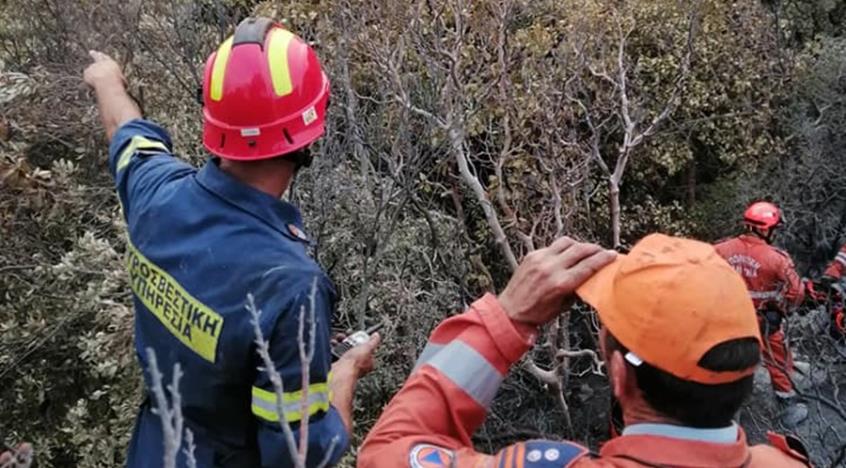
<point x="543" y="454"/>
<point x="430" y="456"/>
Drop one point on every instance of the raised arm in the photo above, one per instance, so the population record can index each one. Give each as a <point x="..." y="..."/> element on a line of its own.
<point x="105" y="77"/>
<point x="446" y="398"/>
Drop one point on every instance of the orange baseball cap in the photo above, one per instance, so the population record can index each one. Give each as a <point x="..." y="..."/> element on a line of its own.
<point x="669" y="301"/>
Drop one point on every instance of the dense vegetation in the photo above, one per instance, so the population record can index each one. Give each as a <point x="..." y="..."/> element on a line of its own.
<point x="462" y="135"/>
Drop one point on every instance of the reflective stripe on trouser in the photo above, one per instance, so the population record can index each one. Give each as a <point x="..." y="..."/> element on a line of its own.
<point x="264" y="402"/>
<point x="764" y="294"/>
<point x="776" y="358"/>
<point x="465" y="367"/>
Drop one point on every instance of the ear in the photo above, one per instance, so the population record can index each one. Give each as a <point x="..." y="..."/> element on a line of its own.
<point x="619" y="374"/>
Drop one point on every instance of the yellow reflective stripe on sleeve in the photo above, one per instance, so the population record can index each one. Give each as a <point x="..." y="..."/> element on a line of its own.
<point x="264" y="402"/>
<point x="189" y="320"/>
<point x="138" y="143"/>
<point x="277" y="56"/>
<point x="219" y="70"/>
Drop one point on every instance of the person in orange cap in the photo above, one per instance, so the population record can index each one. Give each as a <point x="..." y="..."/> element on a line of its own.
<point x="775" y="288"/>
<point x="680" y="361"/>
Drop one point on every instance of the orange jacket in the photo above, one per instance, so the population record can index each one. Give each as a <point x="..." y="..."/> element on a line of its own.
<point x="429" y="423"/>
<point x="835" y="269"/>
<point x="769" y="272"/>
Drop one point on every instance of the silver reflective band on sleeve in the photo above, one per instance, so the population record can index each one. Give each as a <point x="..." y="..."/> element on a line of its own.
<point x="469" y="370"/>
<point x="841" y="258"/>
<point x="765" y="294"/>
<point x="429" y="351"/>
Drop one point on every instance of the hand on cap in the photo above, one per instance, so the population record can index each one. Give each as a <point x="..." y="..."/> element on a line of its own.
<point x="547" y="278"/>
<point x="102" y="71"/>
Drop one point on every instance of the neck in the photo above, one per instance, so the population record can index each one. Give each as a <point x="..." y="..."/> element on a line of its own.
<point x="271" y="176"/>
<point x="758" y="235"/>
<point x="641" y="414"/>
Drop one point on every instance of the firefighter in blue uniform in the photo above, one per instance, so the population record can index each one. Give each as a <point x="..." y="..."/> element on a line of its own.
<point x="201" y="241"/>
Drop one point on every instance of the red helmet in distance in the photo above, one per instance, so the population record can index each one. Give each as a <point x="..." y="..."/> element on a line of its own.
<point x="762" y="215"/>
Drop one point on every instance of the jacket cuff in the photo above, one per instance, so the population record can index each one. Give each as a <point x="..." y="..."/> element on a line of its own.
<point x="511" y="338"/>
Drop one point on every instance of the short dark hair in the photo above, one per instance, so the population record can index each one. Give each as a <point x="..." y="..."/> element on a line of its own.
<point x="694" y="404"/>
<point x="301" y="157"/>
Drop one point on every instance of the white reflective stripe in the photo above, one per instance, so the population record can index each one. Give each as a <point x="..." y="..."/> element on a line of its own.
<point x="765" y="294"/>
<point x="634" y="359"/>
<point x="784" y="395"/>
<point x="841" y="258"/>
<point x="430" y="350"/>
<point x="469" y="370"/>
<point x="316" y="402"/>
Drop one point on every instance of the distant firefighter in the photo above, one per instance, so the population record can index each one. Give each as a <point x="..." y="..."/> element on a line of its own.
<point x="775" y="288"/>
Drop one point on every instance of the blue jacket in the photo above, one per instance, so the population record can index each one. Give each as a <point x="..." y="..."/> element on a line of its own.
<point x="199" y="243"/>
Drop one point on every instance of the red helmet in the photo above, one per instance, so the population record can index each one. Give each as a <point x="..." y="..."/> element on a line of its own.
<point x="762" y="215"/>
<point x="264" y="94"/>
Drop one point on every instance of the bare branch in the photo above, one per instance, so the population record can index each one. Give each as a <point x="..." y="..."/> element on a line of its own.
<point x="170" y="414"/>
<point x="328" y="456"/>
<point x="189" y="449"/>
<point x="457" y="144"/>
<point x="306" y="356"/>
<point x="263" y="349"/>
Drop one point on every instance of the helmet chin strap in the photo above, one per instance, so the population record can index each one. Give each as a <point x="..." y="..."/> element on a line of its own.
<point x="767" y="235"/>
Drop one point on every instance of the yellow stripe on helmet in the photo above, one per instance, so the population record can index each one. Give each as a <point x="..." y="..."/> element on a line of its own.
<point x="277" y="57"/>
<point x="219" y="70"/>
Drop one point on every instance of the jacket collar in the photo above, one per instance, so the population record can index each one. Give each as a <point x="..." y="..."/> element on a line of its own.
<point x="660" y="450"/>
<point x="752" y="239"/>
<point x="276" y="213"/>
<point x="723" y="435"/>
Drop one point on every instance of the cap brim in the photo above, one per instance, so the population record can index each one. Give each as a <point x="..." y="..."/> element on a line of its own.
<point x="597" y="291"/>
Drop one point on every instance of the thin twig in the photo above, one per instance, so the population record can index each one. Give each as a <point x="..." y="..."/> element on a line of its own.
<point x="263" y="349"/>
<point x="169" y="414"/>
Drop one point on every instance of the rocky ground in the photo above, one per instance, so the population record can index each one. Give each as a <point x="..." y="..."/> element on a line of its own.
<point x="821" y="379"/>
